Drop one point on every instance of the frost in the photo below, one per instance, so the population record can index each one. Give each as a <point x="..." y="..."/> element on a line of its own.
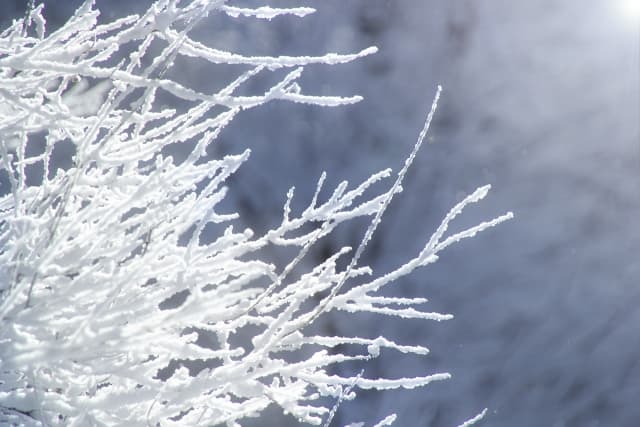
<point x="475" y="419"/>
<point x="267" y="12"/>
<point x="118" y="307"/>
<point x="387" y="421"/>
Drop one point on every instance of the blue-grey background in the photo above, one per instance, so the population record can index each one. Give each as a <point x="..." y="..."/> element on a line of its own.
<point x="541" y="100"/>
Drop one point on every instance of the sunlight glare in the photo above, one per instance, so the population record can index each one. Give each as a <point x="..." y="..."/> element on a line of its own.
<point x="630" y="9"/>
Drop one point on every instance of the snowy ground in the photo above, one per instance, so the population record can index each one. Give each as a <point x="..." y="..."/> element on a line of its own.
<point x="542" y="101"/>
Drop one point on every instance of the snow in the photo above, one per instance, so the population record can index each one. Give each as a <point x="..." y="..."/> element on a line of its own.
<point x="541" y="101"/>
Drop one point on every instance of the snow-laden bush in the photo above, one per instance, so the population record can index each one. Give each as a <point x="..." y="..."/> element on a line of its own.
<point x="117" y="308"/>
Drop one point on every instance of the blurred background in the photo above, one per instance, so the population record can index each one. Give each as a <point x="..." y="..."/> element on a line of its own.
<point x="542" y="101"/>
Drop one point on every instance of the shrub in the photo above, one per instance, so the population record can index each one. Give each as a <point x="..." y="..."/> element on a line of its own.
<point x="117" y="308"/>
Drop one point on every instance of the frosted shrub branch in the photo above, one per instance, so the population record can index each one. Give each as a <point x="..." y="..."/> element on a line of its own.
<point x="126" y="295"/>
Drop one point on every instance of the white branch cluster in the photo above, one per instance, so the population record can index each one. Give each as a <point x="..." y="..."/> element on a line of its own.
<point x="108" y="288"/>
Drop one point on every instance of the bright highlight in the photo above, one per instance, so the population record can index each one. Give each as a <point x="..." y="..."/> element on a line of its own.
<point x="630" y="9"/>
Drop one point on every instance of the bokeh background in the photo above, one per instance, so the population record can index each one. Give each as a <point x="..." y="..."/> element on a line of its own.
<point x="542" y="101"/>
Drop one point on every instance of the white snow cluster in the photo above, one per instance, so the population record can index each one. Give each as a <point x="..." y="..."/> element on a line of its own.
<point x="115" y="310"/>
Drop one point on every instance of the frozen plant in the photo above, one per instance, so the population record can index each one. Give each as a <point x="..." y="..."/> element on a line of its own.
<point x="116" y="309"/>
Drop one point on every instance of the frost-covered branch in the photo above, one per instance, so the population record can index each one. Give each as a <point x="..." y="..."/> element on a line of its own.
<point x="125" y="293"/>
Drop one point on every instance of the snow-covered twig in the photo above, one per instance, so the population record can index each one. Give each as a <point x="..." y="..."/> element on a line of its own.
<point x="126" y="295"/>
